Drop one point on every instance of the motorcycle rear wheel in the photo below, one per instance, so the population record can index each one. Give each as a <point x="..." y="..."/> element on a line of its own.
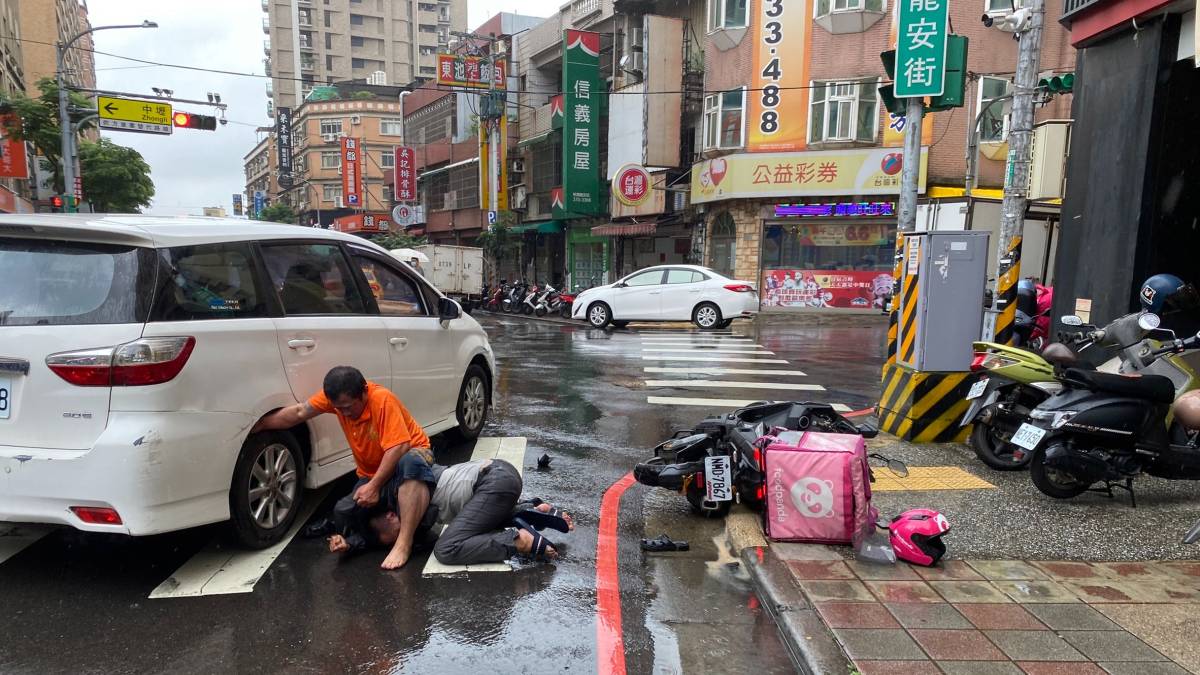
<point x="995" y="451"/>
<point x="540" y="311"/>
<point x="696" y="499"/>
<point x="1054" y="482"/>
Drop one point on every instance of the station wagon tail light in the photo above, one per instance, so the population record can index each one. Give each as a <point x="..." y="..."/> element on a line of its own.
<point x="739" y="288"/>
<point x="139" y="363"/>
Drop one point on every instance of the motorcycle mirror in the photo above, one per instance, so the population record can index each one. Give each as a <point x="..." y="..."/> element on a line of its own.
<point x="1071" y="320"/>
<point x="897" y="467"/>
<point x="867" y="431"/>
<point x="1149" y="321"/>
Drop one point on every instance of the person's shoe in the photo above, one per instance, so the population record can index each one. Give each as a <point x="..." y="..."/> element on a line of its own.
<point x="322" y="527"/>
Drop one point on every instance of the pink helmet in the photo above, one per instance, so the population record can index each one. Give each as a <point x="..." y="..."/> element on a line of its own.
<point x="917" y="536"/>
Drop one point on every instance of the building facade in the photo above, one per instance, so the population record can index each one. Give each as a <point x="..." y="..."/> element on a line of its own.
<point x="383" y="42"/>
<point x="261" y="167"/>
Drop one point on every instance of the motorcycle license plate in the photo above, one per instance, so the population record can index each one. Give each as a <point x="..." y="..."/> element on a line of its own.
<point x="977" y="389"/>
<point x="718" y="478"/>
<point x="1028" y="436"/>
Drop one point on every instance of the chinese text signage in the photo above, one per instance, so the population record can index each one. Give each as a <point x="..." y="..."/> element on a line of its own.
<point x="631" y="186"/>
<point x="921" y="48"/>
<point x="582" y="92"/>
<point x="844" y="289"/>
<point x="839" y="210"/>
<point x="127" y="114"/>
<point x="870" y="171"/>
<point x="14" y="163"/>
<point x="405" y="188"/>
<point x="351" y="179"/>
<point x="283" y="139"/>
<point x="473" y="72"/>
<point x="778" y="105"/>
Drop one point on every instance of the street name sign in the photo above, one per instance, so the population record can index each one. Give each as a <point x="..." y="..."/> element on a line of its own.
<point x="128" y="114"/>
<point x="921" y="48"/>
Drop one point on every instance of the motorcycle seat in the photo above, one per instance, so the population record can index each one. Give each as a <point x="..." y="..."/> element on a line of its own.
<point x="1154" y="388"/>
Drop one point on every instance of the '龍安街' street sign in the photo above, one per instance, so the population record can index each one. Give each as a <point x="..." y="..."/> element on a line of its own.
<point x="127" y="114"/>
<point x="921" y="48"/>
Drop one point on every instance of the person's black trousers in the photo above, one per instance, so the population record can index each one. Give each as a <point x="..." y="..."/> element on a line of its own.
<point x="475" y="535"/>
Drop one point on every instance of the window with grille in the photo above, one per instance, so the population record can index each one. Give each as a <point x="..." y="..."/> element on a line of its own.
<point x="843" y="111"/>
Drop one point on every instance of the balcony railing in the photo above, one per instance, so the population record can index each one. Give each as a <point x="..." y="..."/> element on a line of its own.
<point x="305" y="42"/>
<point x="307" y="65"/>
<point x="266" y="25"/>
<point x="267" y="67"/>
<point x="267" y="47"/>
<point x="1071" y="7"/>
<point x="266" y="5"/>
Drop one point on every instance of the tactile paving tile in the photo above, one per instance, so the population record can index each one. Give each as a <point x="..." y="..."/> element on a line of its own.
<point x="928" y="478"/>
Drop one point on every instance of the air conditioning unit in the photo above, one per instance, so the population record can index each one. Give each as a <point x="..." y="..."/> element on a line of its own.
<point x="339" y="169"/>
<point x="518" y="166"/>
<point x="329" y="138"/>
<point x="339" y="203"/>
<point x="378" y="77"/>
<point x="356" y="119"/>
<point x="520" y="197"/>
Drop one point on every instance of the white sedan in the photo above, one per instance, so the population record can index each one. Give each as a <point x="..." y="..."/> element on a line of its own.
<point x="669" y="293"/>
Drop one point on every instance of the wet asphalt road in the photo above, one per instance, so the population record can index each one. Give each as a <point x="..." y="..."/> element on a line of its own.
<point x="76" y="602"/>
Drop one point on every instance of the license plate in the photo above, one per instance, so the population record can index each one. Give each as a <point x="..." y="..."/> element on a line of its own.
<point x="718" y="478"/>
<point x="6" y="397"/>
<point x="1028" y="436"/>
<point x="977" y="389"/>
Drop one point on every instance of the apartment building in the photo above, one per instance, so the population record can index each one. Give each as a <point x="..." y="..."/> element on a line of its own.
<point x="14" y="192"/>
<point x="799" y="169"/>
<point x="381" y="42"/>
<point x="261" y="167"/>
<point x="47" y="22"/>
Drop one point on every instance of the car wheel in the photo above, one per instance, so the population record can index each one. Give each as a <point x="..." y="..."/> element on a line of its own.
<point x="599" y="315"/>
<point x="472" y="406"/>
<point x="707" y="316"/>
<point x="620" y="324"/>
<point x="268" y="487"/>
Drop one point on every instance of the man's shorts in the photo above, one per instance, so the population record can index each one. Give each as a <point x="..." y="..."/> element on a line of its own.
<point x="416" y="464"/>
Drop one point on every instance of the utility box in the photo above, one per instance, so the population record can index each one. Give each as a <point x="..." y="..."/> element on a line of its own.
<point x="941" y="299"/>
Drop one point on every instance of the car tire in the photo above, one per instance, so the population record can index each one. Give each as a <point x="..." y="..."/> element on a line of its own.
<point x="599" y="315"/>
<point x="268" y="477"/>
<point x="707" y="316"/>
<point x="620" y="324"/>
<point x="474" y="397"/>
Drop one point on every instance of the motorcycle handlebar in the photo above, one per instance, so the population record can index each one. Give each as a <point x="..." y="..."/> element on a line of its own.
<point x="1176" y="346"/>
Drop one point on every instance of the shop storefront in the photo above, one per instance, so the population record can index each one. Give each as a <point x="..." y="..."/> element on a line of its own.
<point x="831" y="255"/>
<point x="542" y="251"/>
<point x="588" y="257"/>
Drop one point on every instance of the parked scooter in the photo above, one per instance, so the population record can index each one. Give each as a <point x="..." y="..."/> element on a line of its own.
<point x="544" y="301"/>
<point x="529" y="303"/>
<point x="566" y="302"/>
<point x="1110" y="428"/>
<point x="1032" y="324"/>
<point x="496" y="298"/>
<point x="516" y="295"/>
<point x="720" y="458"/>
<point x="1015" y="381"/>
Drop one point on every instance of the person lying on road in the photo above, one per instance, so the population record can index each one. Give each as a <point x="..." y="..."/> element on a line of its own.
<point x="477" y="501"/>
<point x="391" y="451"/>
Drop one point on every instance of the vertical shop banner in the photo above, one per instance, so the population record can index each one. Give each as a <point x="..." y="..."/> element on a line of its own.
<point x="582" y="92"/>
<point x="844" y="289"/>
<point x="493" y="149"/>
<point x="351" y="181"/>
<point x="237" y="204"/>
<point x="14" y="163"/>
<point x="778" y="105"/>
<point x="260" y="203"/>
<point x="404" y="172"/>
<point x="283" y="139"/>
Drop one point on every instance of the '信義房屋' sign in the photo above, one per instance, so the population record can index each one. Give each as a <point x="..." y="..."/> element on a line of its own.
<point x="582" y="92"/>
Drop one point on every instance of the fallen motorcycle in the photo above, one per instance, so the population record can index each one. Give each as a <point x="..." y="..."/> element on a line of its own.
<point x="719" y="462"/>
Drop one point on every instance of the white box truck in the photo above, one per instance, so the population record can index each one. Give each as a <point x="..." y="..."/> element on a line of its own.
<point x="456" y="271"/>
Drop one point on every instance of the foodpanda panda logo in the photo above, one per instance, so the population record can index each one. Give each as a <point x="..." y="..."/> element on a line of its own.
<point x="813" y="497"/>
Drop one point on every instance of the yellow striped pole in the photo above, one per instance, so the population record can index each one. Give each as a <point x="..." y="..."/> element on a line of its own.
<point x="894" y="302"/>
<point x="1006" y="288"/>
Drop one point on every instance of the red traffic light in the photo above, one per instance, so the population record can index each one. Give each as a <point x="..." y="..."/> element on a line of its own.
<point x="187" y="120"/>
<point x="182" y="119"/>
<point x="56" y="202"/>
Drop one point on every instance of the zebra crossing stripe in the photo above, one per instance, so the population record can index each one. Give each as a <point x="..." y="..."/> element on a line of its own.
<point x="686" y="350"/>
<point x="725" y="371"/>
<point x="704" y="345"/>
<point x="715" y="357"/>
<point x="17" y="538"/>
<point x="718" y="402"/>
<point x="687" y="384"/>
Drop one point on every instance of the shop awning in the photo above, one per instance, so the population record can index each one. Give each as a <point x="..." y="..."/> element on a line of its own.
<point x="545" y="227"/>
<point x="433" y="172"/>
<point x="526" y="142"/>
<point x="624" y="229"/>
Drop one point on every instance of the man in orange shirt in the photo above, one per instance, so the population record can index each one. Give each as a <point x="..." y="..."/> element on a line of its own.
<point x="391" y="451"/>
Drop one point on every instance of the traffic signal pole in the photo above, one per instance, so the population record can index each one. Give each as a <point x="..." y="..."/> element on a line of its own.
<point x="1016" y="179"/>
<point x="910" y="171"/>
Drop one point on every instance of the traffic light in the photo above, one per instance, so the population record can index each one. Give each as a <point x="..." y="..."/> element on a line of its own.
<point x="887" y="92"/>
<point x="955" y="89"/>
<point x="1058" y="84"/>
<point x="187" y="120"/>
<point x="56" y="203"/>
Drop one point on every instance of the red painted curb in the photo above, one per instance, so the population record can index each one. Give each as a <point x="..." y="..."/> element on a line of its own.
<point x="610" y="643"/>
<point x="857" y="413"/>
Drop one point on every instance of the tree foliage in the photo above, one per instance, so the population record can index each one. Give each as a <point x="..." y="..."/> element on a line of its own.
<point x="36" y="120"/>
<point x="279" y="212"/>
<point x="115" y="178"/>
<point x="395" y="240"/>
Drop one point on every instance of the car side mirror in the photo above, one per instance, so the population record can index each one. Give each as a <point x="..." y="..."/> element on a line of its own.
<point x="448" y="310"/>
<point x="620" y="284"/>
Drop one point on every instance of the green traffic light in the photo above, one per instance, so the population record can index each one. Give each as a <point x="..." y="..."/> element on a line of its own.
<point x="1059" y="84"/>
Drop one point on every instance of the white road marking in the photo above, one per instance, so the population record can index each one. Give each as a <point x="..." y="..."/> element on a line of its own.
<point x="718" y="402"/>
<point x="715" y="357"/>
<point x="685" y="384"/>
<point x="711" y="351"/>
<point x="17" y="538"/>
<point x="704" y="345"/>
<point x="223" y="571"/>
<point x="678" y="331"/>
<point x="510" y="449"/>
<point x="725" y="371"/>
<point x="695" y="338"/>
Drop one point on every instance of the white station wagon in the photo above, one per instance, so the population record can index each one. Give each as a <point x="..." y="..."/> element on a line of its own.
<point x="137" y="352"/>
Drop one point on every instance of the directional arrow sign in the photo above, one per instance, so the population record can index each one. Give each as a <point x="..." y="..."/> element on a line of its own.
<point x="127" y="114"/>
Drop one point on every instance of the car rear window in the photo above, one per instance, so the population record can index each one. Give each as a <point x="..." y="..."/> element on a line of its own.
<point x="214" y="281"/>
<point x="56" y="283"/>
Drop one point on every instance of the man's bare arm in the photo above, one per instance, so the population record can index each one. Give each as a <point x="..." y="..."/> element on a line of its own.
<point x="368" y="494"/>
<point x="286" y="418"/>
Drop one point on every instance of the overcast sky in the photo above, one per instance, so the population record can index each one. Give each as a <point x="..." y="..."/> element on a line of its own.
<point x="191" y="168"/>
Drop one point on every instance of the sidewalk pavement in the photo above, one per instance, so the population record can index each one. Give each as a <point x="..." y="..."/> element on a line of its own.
<point x="838" y="615"/>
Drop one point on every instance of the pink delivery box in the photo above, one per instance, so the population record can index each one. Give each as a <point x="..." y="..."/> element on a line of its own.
<point x="818" y="487"/>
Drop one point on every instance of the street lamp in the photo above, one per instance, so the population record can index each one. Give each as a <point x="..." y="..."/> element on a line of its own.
<point x="64" y="119"/>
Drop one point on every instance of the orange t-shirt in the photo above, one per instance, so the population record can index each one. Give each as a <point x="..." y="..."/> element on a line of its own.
<point x="384" y="423"/>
